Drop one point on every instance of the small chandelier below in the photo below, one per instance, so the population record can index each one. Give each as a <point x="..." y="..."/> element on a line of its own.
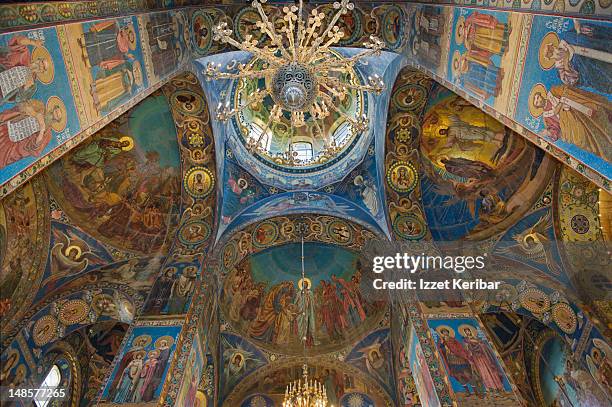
<point x="305" y="392"/>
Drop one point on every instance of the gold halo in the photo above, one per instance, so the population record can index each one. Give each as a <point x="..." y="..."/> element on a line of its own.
<point x="128" y="139"/>
<point x="455" y="71"/>
<point x="201" y="398"/>
<point x="241" y="358"/>
<point x="301" y="282"/>
<point x="549" y="39"/>
<point x="140" y="352"/>
<point x="460" y="34"/>
<point x="534" y="110"/>
<point x="469" y="328"/>
<point x="167" y="338"/>
<point x="20" y="371"/>
<point x="243" y="181"/>
<point x="145" y="339"/>
<point x="450" y="330"/>
<point x="137" y="73"/>
<point x="52" y="103"/>
<point x="42" y="53"/>
<point x="74" y="247"/>
<point x="132" y="43"/>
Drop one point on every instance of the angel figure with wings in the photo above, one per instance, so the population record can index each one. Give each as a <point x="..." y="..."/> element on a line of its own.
<point x="532" y="244"/>
<point x="237" y="361"/>
<point x="70" y="255"/>
<point x="374" y="359"/>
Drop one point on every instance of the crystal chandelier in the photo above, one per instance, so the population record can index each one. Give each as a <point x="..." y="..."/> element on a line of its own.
<point x="305" y="392"/>
<point x="305" y="79"/>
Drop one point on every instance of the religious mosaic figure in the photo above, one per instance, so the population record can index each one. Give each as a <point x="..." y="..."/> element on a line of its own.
<point x="160" y="293"/>
<point x="262" y="327"/>
<point x="162" y="345"/>
<point x="182" y="287"/>
<point x="483" y="359"/>
<point x="429" y="21"/>
<point x="352" y="303"/>
<point x="465" y="135"/>
<point x="20" y="67"/>
<point x="25" y="130"/>
<point x="480" y="75"/>
<point x="368" y="192"/>
<point x="582" y="56"/>
<point x="162" y="30"/>
<point x="111" y="86"/>
<point x="129" y="378"/>
<point x="145" y="375"/>
<point x="331" y="306"/>
<point x="484" y="32"/>
<point x="106" y="44"/>
<point x="96" y="153"/>
<point x="306" y="317"/>
<point x="575" y="116"/>
<point x="239" y="196"/>
<point x="457" y="361"/>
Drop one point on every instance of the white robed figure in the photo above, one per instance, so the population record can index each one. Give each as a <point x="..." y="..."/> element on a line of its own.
<point x="368" y="193"/>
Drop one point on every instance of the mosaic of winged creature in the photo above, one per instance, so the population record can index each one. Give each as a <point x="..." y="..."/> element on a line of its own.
<point x="70" y="255"/>
<point x="237" y="362"/>
<point x="531" y="244"/>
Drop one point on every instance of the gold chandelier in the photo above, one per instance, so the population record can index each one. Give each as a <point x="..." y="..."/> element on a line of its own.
<point x="305" y="392"/>
<point x="305" y="79"/>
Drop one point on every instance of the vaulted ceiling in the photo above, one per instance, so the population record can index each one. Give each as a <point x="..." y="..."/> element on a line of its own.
<point x="84" y="243"/>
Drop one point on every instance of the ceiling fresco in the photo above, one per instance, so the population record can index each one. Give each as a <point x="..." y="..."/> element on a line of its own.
<point x="429" y="40"/>
<point x="340" y="380"/>
<point x="251" y="125"/>
<point x="273" y="172"/>
<point x="161" y="243"/>
<point x="516" y="74"/>
<point x="24" y="232"/>
<point x="479" y="176"/>
<point x="122" y="186"/>
<point x="262" y="296"/>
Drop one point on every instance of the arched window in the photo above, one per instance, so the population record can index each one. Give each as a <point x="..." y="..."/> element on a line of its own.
<point x="342" y="133"/>
<point x="303" y="150"/>
<point x="52" y="381"/>
<point x="255" y="134"/>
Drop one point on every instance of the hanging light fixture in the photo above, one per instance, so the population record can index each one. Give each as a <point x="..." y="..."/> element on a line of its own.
<point x="305" y="79"/>
<point x="305" y="392"/>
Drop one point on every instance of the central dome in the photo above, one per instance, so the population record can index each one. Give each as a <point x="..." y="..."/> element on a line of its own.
<point x="294" y="87"/>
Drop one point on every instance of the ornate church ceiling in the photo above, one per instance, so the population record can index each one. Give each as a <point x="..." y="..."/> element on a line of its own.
<point x="267" y="177"/>
<point x="126" y="220"/>
<point x="264" y="283"/>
